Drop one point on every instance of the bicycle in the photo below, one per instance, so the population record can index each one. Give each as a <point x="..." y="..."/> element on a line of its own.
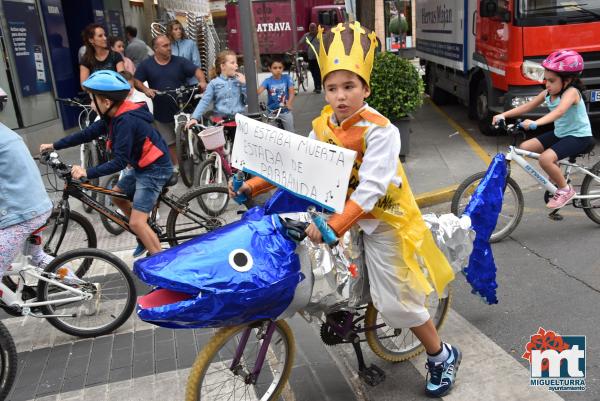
<point x="513" y="202"/>
<point x="184" y="220"/>
<point x="216" y="169"/>
<point x="298" y="71"/>
<point x="93" y="300"/>
<point x="186" y="142"/>
<point x="256" y="359"/>
<point x="8" y="362"/>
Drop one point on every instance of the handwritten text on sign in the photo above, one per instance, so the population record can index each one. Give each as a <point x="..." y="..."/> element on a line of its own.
<point x="312" y="169"/>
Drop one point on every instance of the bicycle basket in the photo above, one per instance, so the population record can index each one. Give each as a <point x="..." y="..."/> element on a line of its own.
<point x="213" y="137"/>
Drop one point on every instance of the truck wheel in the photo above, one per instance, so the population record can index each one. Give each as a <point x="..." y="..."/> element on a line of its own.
<point x="484" y="115"/>
<point x="438" y="95"/>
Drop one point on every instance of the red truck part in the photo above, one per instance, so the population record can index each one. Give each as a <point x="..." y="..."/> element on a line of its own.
<point x="273" y="22"/>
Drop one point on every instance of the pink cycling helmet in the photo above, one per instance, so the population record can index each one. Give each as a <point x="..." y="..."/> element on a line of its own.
<point x="564" y="61"/>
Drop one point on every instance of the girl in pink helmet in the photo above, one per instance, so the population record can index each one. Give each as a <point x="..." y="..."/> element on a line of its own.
<point x="572" y="129"/>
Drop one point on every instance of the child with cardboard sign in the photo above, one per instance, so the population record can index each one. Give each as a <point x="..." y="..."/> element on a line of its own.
<point x="379" y="200"/>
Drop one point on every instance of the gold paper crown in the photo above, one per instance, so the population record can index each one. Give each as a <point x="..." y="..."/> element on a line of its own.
<point x="337" y="59"/>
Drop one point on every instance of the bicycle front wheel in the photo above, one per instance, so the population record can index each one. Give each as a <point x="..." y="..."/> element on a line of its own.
<point x="108" y="284"/>
<point x="211" y="173"/>
<point x="512" y="204"/>
<point x="8" y="362"/>
<point x="106" y="200"/>
<point x="591" y="186"/>
<point x="187" y="162"/>
<point x="213" y="378"/>
<point x="397" y="345"/>
<point x="190" y="218"/>
<point x="79" y="233"/>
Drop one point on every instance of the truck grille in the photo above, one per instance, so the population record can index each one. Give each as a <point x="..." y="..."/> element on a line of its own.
<point x="591" y="76"/>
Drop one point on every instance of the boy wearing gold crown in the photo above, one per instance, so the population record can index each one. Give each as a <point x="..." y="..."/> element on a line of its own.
<point x="379" y="200"/>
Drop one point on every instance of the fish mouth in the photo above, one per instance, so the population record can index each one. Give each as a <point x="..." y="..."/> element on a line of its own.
<point x="162" y="297"/>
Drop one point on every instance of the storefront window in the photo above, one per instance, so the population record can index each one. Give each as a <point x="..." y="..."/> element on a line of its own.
<point x="398" y="23"/>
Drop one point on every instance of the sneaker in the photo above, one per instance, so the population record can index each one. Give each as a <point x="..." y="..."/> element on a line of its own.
<point x="139" y="250"/>
<point x="441" y="376"/>
<point x="561" y="198"/>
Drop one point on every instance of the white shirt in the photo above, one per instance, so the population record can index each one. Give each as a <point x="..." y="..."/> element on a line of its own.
<point x="378" y="168"/>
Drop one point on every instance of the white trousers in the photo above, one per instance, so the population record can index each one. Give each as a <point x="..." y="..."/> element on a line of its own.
<point x="400" y="305"/>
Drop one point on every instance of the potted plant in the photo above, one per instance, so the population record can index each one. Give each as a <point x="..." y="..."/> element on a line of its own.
<point x="396" y="91"/>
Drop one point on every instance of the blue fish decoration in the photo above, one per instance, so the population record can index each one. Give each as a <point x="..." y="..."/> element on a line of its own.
<point x="242" y="272"/>
<point x="483" y="209"/>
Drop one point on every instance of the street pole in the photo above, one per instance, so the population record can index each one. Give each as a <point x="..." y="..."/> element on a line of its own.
<point x="294" y="27"/>
<point x="248" y="52"/>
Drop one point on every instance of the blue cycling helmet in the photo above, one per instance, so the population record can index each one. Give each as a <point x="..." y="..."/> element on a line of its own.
<point x="109" y="84"/>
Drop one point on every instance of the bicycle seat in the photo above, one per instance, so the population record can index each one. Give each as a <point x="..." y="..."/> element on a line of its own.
<point x="173" y="180"/>
<point x="585" y="152"/>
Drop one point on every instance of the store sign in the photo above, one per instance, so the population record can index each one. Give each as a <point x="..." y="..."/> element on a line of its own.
<point x="27" y="44"/>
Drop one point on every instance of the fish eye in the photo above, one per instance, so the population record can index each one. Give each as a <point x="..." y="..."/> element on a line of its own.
<point x="240" y="260"/>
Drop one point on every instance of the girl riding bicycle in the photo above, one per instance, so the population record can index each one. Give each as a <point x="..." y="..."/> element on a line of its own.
<point x="24" y="204"/>
<point x="226" y="91"/>
<point x="572" y="129"/>
<point x="379" y="199"/>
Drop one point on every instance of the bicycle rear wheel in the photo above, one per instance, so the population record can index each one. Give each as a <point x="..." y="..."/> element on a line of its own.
<point x="187" y="162"/>
<point x="190" y="218"/>
<point x="397" y="345"/>
<point x="107" y="279"/>
<point x="212" y="377"/>
<point x="512" y="204"/>
<point x="8" y="362"/>
<point x="591" y="186"/>
<point x="106" y="200"/>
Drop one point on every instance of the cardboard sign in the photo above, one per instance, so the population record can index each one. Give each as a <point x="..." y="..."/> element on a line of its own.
<point x="309" y="168"/>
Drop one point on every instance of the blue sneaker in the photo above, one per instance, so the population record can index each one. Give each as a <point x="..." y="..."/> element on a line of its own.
<point x="139" y="250"/>
<point x="441" y="376"/>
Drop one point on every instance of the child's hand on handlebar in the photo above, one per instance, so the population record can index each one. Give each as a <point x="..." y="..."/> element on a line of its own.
<point x="313" y="233"/>
<point x="191" y="122"/>
<point x="244" y="189"/>
<point x="78" y="172"/>
<point x="46" y="147"/>
<point x="528" y="124"/>
<point x="496" y="119"/>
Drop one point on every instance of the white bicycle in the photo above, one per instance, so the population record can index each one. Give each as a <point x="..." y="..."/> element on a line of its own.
<point x="84" y="292"/>
<point x="588" y="198"/>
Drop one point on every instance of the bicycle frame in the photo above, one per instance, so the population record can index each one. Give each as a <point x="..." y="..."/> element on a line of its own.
<point x="76" y="190"/>
<point x="518" y="155"/>
<point x="11" y="298"/>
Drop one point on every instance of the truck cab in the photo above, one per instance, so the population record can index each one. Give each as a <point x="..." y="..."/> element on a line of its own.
<point x="328" y="16"/>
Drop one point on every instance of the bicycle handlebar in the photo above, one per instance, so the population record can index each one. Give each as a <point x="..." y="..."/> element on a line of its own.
<point x="184" y="89"/>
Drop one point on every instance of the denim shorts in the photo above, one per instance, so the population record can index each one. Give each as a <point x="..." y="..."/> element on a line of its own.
<point x="144" y="186"/>
<point x="565" y="146"/>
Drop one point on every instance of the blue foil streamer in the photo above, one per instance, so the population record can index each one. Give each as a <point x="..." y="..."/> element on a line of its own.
<point x="483" y="209"/>
<point x="220" y="295"/>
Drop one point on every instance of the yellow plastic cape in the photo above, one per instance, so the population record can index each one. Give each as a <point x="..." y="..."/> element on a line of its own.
<point x="399" y="209"/>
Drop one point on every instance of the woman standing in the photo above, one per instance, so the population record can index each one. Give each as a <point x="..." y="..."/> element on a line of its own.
<point x="97" y="55"/>
<point x="183" y="47"/>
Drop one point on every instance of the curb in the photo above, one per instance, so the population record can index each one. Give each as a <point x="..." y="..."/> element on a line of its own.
<point x="436" y="197"/>
<point x="442" y="195"/>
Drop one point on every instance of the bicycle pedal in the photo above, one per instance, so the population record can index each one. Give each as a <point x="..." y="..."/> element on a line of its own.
<point x="373" y="375"/>
<point x="555" y="216"/>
